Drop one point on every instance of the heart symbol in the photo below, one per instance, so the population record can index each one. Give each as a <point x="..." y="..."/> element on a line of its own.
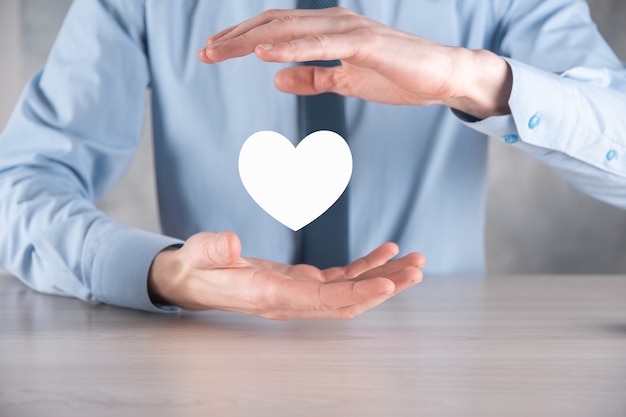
<point x="295" y="185"/>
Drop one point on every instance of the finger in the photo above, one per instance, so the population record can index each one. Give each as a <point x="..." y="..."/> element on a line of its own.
<point x="213" y="38"/>
<point x="310" y="296"/>
<point x="310" y="80"/>
<point x="403" y="272"/>
<point x="352" y="311"/>
<point x="411" y="260"/>
<point x="334" y="295"/>
<point x="286" y="31"/>
<point x="405" y="278"/>
<point x="343" y="313"/>
<point x="346" y="80"/>
<point x="284" y="21"/>
<point x="402" y="280"/>
<point x="376" y="258"/>
<point x="319" y="47"/>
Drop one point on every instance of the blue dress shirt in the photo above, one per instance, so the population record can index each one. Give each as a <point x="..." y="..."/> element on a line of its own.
<point x="419" y="173"/>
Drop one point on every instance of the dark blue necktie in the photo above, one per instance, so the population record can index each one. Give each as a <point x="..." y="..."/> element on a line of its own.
<point x="325" y="240"/>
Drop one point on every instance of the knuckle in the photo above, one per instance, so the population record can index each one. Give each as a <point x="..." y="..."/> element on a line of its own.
<point x="209" y="255"/>
<point x="346" y="12"/>
<point x="316" y="81"/>
<point x="291" y="49"/>
<point x="353" y="20"/>
<point x="366" y="34"/>
<point x="342" y="83"/>
<point x="324" y="79"/>
<point x="243" y="37"/>
<point x="270" y="14"/>
<point x="318" y="40"/>
<point x="287" y="20"/>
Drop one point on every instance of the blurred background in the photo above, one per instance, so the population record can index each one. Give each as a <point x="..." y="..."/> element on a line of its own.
<point x="536" y="223"/>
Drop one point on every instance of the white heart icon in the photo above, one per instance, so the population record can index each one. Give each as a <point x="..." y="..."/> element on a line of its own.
<point x="295" y="185"/>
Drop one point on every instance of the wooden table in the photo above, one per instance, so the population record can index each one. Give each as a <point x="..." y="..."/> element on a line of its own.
<point x="452" y="346"/>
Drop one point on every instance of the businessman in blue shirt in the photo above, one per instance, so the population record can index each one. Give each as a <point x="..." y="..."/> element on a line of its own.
<point x="535" y="74"/>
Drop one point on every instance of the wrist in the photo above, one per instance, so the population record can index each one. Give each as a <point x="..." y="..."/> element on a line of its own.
<point x="485" y="86"/>
<point x="162" y="276"/>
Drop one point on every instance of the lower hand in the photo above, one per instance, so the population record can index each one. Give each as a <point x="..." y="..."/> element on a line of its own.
<point x="379" y="63"/>
<point x="208" y="272"/>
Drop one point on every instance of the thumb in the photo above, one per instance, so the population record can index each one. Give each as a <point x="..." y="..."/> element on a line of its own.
<point x="307" y="80"/>
<point x="222" y="249"/>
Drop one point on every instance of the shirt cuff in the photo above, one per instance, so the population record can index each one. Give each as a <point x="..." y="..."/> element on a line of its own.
<point x="503" y="127"/>
<point x="537" y="103"/>
<point x="121" y="265"/>
<point x="546" y="111"/>
<point x="497" y="126"/>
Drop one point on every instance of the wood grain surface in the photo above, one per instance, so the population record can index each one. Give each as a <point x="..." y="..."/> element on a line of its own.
<point x="451" y="346"/>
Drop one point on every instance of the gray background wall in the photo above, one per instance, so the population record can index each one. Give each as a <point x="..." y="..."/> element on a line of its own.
<point x="536" y="222"/>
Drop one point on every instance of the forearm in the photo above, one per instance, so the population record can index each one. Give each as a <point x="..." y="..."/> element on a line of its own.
<point x="70" y="139"/>
<point x="57" y="242"/>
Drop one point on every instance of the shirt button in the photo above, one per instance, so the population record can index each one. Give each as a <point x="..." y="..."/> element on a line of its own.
<point x="534" y="121"/>
<point x="611" y="155"/>
<point x="511" y="139"/>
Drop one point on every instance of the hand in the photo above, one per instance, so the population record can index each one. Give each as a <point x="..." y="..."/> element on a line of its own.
<point x="208" y="272"/>
<point x="379" y="63"/>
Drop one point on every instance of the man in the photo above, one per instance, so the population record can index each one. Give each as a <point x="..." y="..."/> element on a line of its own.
<point x="534" y="73"/>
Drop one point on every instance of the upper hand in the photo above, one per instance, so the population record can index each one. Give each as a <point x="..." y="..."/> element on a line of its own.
<point x="208" y="272"/>
<point x="379" y="63"/>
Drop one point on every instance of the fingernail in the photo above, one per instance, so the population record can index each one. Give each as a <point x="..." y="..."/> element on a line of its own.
<point x="221" y="246"/>
<point x="417" y="279"/>
<point x="266" y="46"/>
<point x="214" y="45"/>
